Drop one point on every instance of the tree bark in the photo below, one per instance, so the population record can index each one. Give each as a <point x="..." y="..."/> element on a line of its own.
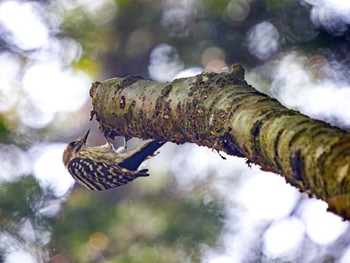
<point x="222" y="112"/>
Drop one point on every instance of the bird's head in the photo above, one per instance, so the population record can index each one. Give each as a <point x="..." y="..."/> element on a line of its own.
<point x="74" y="147"/>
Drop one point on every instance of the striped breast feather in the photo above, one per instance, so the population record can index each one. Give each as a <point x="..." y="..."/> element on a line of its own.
<point x="100" y="175"/>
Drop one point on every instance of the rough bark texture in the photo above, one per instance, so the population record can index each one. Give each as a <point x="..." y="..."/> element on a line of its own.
<point x="222" y="112"/>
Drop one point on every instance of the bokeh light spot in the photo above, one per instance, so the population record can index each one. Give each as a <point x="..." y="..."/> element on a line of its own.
<point x="28" y="32"/>
<point x="49" y="169"/>
<point x="263" y="40"/>
<point x="315" y="217"/>
<point x="283" y="238"/>
<point x="165" y="63"/>
<point x="98" y="241"/>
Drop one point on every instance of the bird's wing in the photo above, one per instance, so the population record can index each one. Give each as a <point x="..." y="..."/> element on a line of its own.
<point x="100" y="175"/>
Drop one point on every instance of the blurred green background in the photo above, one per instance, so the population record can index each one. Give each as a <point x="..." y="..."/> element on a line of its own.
<point x="195" y="206"/>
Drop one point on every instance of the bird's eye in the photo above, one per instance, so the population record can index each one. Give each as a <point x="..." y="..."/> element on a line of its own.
<point x="72" y="144"/>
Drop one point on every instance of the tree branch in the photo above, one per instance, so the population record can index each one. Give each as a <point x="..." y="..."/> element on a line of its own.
<point x="223" y="112"/>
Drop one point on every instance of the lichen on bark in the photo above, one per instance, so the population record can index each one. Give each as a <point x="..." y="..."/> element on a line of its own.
<point x="223" y="112"/>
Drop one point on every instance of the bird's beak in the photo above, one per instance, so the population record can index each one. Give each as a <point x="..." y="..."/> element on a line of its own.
<point x="84" y="138"/>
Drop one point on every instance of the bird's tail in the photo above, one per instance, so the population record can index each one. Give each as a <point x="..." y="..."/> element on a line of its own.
<point x="136" y="157"/>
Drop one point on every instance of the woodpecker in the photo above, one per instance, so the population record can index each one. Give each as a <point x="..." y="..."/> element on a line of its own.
<point x="102" y="167"/>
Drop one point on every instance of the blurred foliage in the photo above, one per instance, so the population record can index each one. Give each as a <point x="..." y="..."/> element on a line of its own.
<point x="123" y="44"/>
<point x="19" y="207"/>
<point x="23" y="224"/>
<point x="148" y="228"/>
<point x="110" y="226"/>
<point x="4" y="132"/>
